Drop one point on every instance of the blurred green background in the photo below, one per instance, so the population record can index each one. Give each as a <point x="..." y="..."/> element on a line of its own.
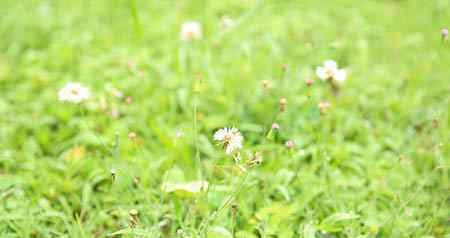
<point x="375" y="165"/>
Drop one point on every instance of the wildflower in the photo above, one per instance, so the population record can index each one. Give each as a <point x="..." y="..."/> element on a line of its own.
<point x="275" y="126"/>
<point x="444" y="33"/>
<point x="283" y="103"/>
<point x="73" y="93"/>
<point x="284" y="67"/>
<point x="309" y="82"/>
<point x="289" y="144"/>
<point x="230" y="138"/>
<point x="226" y="22"/>
<point x="129" y="99"/>
<point x="115" y="112"/>
<point x="191" y="31"/>
<point x="324" y="106"/>
<point x="132" y="135"/>
<point x="266" y="84"/>
<point x="179" y="134"/>
<point x="330" y="71"/>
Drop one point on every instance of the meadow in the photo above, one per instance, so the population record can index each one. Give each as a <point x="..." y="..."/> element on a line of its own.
<point x="336" y="117"/>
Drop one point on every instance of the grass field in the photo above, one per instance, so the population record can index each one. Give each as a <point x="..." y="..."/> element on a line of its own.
<point x="366" y="157"/>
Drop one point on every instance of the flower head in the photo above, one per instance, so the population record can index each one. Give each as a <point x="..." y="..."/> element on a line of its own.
<point x="191" y="31"/>
<point x="289" y="144"/>
<point x="330" y="71"/>
<point x="275" y="126"/>
<point x="324" y="106"/>
<point x="73" y="93"/>
<point x="226" y="22"/>
<point x="230" y="138"/>
<point x="444" y="33"/>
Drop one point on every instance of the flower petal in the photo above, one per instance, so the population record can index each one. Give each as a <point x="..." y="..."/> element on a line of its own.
<point x="330" y="65"/>
<point x="320" y="72"/>
<point x="340" y="75"/>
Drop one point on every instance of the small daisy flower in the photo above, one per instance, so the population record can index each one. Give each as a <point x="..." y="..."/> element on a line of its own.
<point x="330" y="71"/>
<point x="73" y="93"/>
<point x="230" y="138"/>
<point x="191" y="31"/>
<point x="226" y="22"/>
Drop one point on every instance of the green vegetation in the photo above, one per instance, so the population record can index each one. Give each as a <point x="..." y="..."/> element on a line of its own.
<point x="134" y="159"/>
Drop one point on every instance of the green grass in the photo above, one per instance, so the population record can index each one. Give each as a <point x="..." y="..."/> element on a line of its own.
<point x="375" y="165"/>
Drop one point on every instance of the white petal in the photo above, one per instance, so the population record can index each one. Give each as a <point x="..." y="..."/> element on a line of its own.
<point x="320" y="72"/>
<point x="330" y="65"/>
<point x="340" y="75"/>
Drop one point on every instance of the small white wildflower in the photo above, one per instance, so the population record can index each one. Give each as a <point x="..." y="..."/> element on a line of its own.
<point x="230" y="138"/>
<point x="191" y="31"/>
<point x="289" y="144"/>
<point x="179" y="134"/>
<point x="330" y="71"/>
<point x="73" y="93"/>
<point x="226" y="22"/>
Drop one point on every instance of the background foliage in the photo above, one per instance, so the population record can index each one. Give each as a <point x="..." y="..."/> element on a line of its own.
<point x="375" y="165"/>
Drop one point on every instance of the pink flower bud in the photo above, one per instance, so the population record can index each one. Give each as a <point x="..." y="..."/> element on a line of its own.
<point x="289" y="144"/>
<point x="444" y="33"/>
<point x="275" y="126"/>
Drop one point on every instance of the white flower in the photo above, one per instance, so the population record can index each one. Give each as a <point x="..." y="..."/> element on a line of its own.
<point x="226" y="22"/>
<point x="330" y="71"/>
<point x="73" y="93"/>
<point x="191" y="31"/>
<point x="230" y="138"/>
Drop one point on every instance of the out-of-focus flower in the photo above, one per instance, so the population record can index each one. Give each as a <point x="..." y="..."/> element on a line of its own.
<point x="230" y="138"/>
<point x="324" y="106"/>
<point x="283" y="103"/>
<point x="275" y="126"/>
<point x="309" y="82"/>
<point x="73" y="93"/>
<point x="179" y="134"/>
<point x="330" y="71"/>
<point x="132" y="135"/>
<point x="266" y="84"/>
<point x="289" y="144"/>
<point x="129" y="99"/>
<point x="226" y="22"/>
<point x="191" y="31"/>
<point x="444" y="33"/>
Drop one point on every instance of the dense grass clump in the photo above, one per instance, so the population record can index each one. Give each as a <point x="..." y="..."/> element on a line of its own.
<point x="126" y="118"/>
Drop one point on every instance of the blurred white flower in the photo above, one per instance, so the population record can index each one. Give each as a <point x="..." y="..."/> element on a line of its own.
<point x="330" y="71"/>
<point x="191" y="31"/>
<point x="73" y="93"/>
<point x="444" y="33"/>
<point x="230" y="138"/>
<point x="226" y="22"/>
<point x="289" y="144"/>
<point x="179" y="134"/>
